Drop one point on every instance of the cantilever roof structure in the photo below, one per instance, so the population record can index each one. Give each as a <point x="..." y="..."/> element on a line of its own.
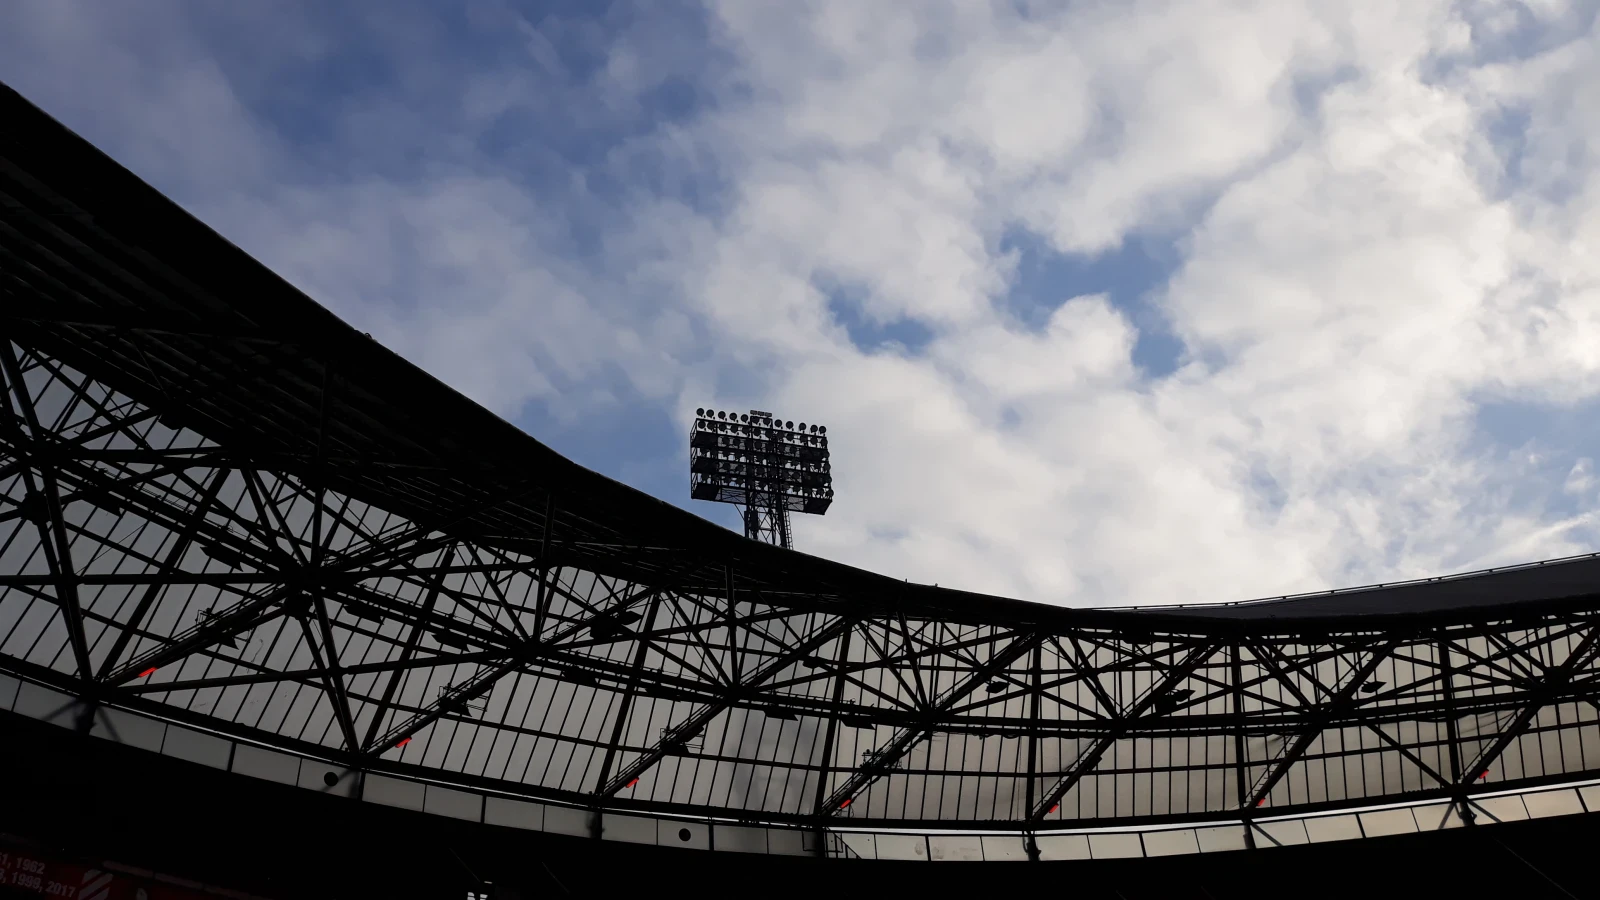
<point x="224" y="507"/>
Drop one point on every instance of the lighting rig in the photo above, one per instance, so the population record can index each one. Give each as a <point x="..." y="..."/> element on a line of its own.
<point x="766" y="466"/>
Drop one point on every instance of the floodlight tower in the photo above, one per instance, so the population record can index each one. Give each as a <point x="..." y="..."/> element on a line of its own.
<point x="765" y="466"/>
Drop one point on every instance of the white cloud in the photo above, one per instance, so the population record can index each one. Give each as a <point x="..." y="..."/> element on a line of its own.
<point x="1363" y="263"/>
<point x="1349" y="289"/>
<point x="1581" y="478"/>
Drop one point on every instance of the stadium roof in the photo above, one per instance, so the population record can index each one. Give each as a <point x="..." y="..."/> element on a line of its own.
<point x="222" y="506"/>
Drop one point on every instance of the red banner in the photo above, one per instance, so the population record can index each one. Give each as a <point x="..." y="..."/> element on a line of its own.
<point x="28" y="872"/>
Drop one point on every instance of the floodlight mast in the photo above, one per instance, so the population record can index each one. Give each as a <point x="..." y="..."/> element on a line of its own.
<point x="766" y="519"/>
<point x="764" y="466"/>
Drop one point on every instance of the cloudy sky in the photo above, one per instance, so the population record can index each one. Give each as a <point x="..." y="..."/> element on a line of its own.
<point x="1101" y="302"/>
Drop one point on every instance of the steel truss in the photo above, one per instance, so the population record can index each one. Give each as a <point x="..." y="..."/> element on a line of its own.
<point x="147" y="566"/>
<point x="239" y="514"/>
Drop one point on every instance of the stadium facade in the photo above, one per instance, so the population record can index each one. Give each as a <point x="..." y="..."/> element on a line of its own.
<point x="239" y="535"/>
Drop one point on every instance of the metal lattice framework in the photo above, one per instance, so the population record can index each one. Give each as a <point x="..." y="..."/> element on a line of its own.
<point x="222" y="506"/>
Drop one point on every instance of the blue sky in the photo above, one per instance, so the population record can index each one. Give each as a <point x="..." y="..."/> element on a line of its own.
<point x="1144" y="302"/>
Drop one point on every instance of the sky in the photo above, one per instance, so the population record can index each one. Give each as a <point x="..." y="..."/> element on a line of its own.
<point x="1101" y="303"/>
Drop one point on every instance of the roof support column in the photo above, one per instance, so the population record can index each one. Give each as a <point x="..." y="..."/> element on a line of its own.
<point x="1236" y="672"/>
<point x="1451" y="729"/>
<point x="827" y="742"/>
<point x="1029" y="843"/>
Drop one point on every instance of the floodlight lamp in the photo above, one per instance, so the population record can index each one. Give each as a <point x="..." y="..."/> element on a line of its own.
<point x="802" y="427"/>
<point x="700" y="412"/>
<point x="744" y="418"/>
<point x="822" y="429"/>
<point x="722" y="415"/>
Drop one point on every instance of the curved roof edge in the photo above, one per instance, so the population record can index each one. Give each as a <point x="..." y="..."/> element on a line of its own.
<point x="1571" y="578"/>
<point x="225" y="295"/>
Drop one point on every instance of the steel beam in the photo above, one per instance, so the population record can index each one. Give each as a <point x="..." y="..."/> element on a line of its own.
<point x="1320" y="718"/>
<point x="1087" y="761"/>
<point x="52" y="530"/>
<point x="744" y="691"/>
<point x="1540" y="696"/>
<point x="901" y="743"/>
